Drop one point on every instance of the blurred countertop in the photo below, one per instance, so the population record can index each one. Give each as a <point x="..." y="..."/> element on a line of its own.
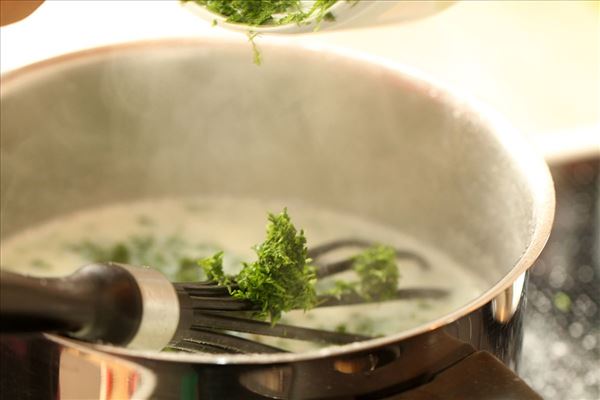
<point x="536" y="62"/>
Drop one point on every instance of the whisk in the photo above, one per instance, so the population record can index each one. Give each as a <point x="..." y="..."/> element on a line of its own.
<point x="139" y="308"/>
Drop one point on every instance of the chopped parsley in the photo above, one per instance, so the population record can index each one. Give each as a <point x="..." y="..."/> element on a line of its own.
<point x="213" y="268"/>
<point x="171" y="255"/>
<point x="261" y="13"/>
<point x="256" y="56"/>
<point x="280" y="279"/>
<point x="267" y="12"/>
<point x="377" y="275"/>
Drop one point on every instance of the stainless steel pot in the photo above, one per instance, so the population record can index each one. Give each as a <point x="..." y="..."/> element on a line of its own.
<point x="192" y="117"/>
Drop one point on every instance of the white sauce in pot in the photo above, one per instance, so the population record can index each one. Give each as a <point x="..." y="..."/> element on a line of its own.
<point x="198" y="227"/>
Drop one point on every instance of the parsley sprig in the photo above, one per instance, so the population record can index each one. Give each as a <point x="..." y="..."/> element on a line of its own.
<point x="377" y="275"/>
<point x="280" y="279"/>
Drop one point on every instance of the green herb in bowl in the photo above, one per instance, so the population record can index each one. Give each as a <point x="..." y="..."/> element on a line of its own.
<point x="256" y="13"/>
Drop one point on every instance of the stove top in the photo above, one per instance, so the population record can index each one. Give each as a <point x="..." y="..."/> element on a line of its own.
<point x="561" y="349"/>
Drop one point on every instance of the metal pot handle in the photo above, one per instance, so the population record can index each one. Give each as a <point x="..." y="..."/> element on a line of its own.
<point x="479" y="376"/>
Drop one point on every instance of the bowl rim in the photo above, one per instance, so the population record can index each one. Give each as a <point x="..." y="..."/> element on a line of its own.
<point x="528" y="162"/>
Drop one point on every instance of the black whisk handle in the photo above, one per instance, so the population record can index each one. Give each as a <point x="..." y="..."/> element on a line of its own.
<point x="99" y="302"/>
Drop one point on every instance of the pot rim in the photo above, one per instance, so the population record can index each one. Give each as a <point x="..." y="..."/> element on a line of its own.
<point x="530" y="165"/>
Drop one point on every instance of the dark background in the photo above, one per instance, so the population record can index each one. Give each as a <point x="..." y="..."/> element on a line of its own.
<point x="561" y="350"/>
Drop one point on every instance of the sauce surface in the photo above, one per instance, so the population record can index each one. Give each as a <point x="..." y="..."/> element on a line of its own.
<point x="198" y="227"/>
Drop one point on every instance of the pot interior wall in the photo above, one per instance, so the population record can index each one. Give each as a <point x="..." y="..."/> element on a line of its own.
<point x="195" y="119"/>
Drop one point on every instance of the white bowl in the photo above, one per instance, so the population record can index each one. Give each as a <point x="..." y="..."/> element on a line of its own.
<point x="348" y="15"/>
